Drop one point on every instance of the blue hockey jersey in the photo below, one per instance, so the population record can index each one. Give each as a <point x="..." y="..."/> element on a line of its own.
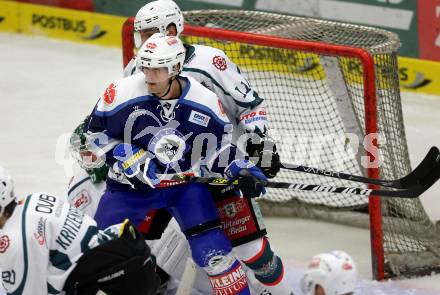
<point x="177" y="133"/>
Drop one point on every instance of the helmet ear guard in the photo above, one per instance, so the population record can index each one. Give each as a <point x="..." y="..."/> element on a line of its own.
<point x="310" y="279"/>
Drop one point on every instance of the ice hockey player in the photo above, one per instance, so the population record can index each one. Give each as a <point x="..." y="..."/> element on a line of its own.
<point x="87" y="184"/>
<point x="171" y="251"/>
<point x="49" y="247"/>
<point x="213" y="69"/>
<point x="332" y="273"/>
<point x="169" y="123"/>
<point x="85" y="189"/>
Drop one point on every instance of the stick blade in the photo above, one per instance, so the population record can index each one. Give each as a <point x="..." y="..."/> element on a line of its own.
<point x="423" y="169"/>
<point x="188" y="278"/>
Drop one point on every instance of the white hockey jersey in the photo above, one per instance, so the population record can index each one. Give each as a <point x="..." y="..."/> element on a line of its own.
<point x="83" y="194"/>
<point x="41" y="243"/>
<point x="213" y="69"/>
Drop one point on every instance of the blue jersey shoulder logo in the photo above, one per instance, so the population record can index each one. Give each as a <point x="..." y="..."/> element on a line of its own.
<point x="199" y="118"/>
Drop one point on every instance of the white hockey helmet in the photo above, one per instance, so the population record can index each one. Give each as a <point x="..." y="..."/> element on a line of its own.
<point x="157" y="14"/>
<point x="335" y="272"/>
<point x="6" y="190"/>
<point x="161" y="51"/>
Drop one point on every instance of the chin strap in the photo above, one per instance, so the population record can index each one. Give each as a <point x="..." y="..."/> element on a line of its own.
<point x="170" y="82"/>
<point x="180" y="86"/>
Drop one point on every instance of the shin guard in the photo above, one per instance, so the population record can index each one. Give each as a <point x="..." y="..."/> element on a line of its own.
<point x="211" y="250"/>
<point x="268" y="270"/>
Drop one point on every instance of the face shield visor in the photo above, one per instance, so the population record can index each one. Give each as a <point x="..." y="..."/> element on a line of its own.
<point x="83" y="154"/>
<point x="140" y="36"/>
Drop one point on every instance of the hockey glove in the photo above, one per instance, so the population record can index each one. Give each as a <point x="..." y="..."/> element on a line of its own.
<point x="251" y="180"/>
<point x="136" y="164"/>
<point x="268" y="157"/>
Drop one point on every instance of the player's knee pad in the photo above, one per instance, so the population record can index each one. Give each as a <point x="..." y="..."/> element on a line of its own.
<point x="120" y="266"/>
<point x="267" y="267"/>
<point x="207" y="244"/>
<point x="171" y="250"/>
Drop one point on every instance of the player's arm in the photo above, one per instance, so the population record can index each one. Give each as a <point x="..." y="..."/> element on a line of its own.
<point x="104" y="127"/>
<point x="238" y="96"/>
<point x="228" y="160"/>
<point x="243" y="102"/>
<point x="85" y="258"/>
<point x="251" y="116"/>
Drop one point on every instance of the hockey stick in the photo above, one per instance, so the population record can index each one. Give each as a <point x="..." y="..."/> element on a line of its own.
<point x="423" y="169"/>
<point x="410" y="192"/>
<point x="188" y="278"/>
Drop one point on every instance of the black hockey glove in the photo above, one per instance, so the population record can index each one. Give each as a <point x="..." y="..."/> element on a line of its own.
<point x="268" y="157"/>
<point x="120" y="266"/>
<point x="250" y="186"/>
<point x="251" y="180"/>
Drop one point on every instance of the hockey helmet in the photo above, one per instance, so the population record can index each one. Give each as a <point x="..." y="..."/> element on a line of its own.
<point x="84" y="151"/>
<point x="335" y="272"/>
<point x="161" y="51"/>
<point x="157" y="14"/>
<point x="6" y="190"/>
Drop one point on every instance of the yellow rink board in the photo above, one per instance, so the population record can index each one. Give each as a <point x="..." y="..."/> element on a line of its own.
<point x="421" y="76"/>
<point x="59" y="23"/>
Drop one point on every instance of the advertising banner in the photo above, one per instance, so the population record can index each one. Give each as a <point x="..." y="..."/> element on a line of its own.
<point x="429" y="29"/>
<point x="66" y="24"/>
<point x="99" y="29"/>
<point x="8" y="17"/>
<point x="419" y="75"/>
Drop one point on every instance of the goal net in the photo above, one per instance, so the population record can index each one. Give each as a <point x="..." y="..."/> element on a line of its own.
<point x="332" y="91"/>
